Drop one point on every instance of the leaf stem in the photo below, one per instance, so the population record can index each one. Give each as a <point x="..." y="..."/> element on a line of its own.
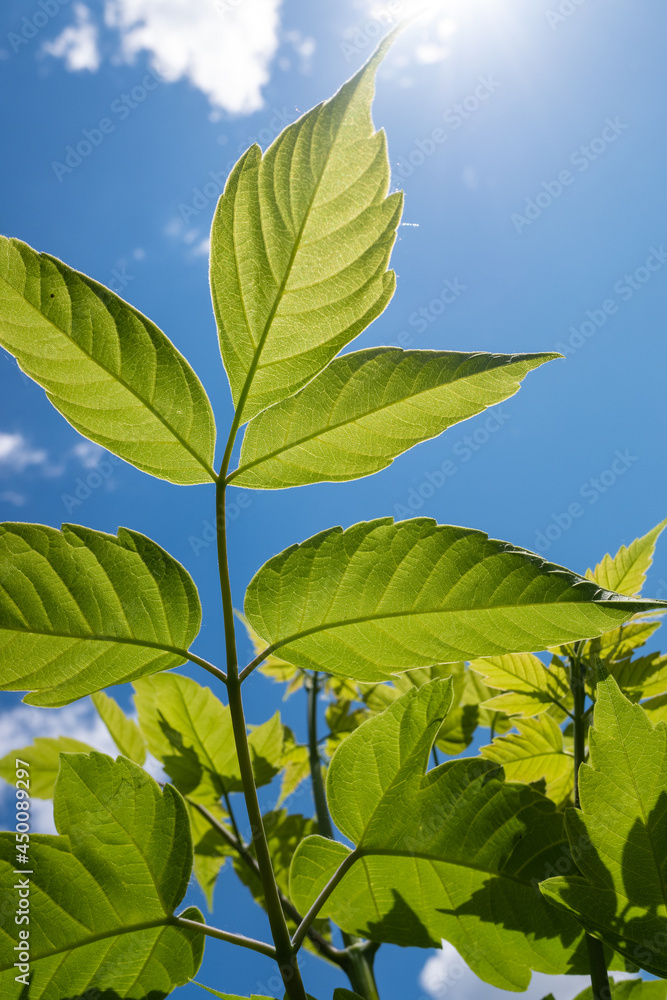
<point x="337" y="876"/>
<point x="358" y="963"/>
<point x="256" y="662"/>
<point x="240" y="939"/>
<point x="284" y="953"/>
<point x="216" y="671"/>
<point x="327" y="950"/>
<point x="596" y="959"/>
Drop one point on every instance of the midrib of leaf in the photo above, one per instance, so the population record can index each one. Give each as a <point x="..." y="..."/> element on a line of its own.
<point x="414" y="614"/>
<point x="342" y="423"/>
<point x="236" y="423"/>
<point x="113" y="375"/>
<point x="663" y="888"/>
<point x="94" y="938"/>
<point x="101" y="638"/>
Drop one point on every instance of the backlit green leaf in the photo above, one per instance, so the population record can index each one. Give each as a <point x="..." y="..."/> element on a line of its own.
<point x="190" y="731"/>
<point x="123" y="731"/>
<point x="44" y="760"/>
<point x="103" y="892"/>
<point x="300" y="245"/>
<point x="621" y="896"/>
<point x="626" y="572"/>
<point x="384" y="597"/>
<point x="525" y="675"/>
<point x="110" y="371"/>
<point x="533" y="754"/>
<point x="367" y="407"/>
<point x="81" y="610"/>
<point x="453" y="853"/>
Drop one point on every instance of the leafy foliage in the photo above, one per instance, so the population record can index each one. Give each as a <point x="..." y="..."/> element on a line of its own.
<point x="107" y="368"/>
<point x="103" y="892"/>
<point x="620" y="895"/>
<point x="381" y="597"/>
<point x="81" y="610"/>
<point x="425" y="634"/>
<point x="368" y="407"/>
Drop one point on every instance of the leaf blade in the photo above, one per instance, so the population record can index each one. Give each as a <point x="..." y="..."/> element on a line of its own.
<point x="304" y="228"/>
<point x="355" y="603"/>
<point x="107" y="368"/>
<point x="81" y="610"/>
<point x="366" y="408"/>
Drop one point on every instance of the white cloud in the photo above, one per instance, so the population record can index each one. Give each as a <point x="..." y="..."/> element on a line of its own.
<point x="90" y="455"/>
<point x="77" y="44"/>
<point x="223" y="47"/>
<point x="446" y="976"/>
<point x="9" y="496"/>
<point x="16" y="454"/>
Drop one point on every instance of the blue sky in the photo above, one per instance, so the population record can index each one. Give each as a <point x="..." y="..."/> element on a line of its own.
<point x="529" y="138"/>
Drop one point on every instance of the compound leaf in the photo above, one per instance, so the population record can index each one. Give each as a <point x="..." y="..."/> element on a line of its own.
<point x="123" y="731"/>
<point x="452" y="853"/>
<point x="383" y="597"/>
<point x="300" y="244"/>
<point x="81" y="610"/>
<point x="367" y="407"/>
<point x="109" y="370"/>
<point x="103" y="892"/>
<point x="621" y="895"/>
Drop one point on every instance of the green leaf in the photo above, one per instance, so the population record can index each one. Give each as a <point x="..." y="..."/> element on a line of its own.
<point x="642" y="678"/>
<point x="81" y="610"/>
<point x="300" y="245"/>
<point x="656" y="709"/>
<point x="626" y="572"/>
<point x="621" y="896"/>
<point x="231" y="996"/>
<point x="123" y="731"/>
<point x="102" y="894"/>
<point x="367" y="407"/>
<point x="187" y="728"/>
<point x="295" y="764"/>
<point x="525" y="675"/>
<point x="454" y="853"/>
<point x="534" y="754"/>
<point x="630" y="989"/>
<point x="341" y="994"/>
<point x="110" y="371"/>
<point x="44" y="760"/>
<point x="384" y="597"/>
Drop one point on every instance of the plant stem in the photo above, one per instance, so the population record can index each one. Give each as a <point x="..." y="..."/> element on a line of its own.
<point x="596" y="959"/>
<point x="240" y="939"/>
<point x="285" y="953"/>
<point x="326" y="949"/>
<point x="358" y="964"/>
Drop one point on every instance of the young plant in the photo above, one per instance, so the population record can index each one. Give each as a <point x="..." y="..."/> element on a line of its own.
<point x="416" y="633"/>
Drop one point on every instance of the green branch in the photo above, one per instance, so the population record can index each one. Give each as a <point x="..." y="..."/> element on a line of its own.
<point x="239" y="939"/>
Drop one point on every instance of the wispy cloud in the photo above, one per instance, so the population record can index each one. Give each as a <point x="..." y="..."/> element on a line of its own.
<point x="16" y="454"/>
<point x="16" y="499"/>
<point x="88" y="454"/>
<point x="77" y="44"/>
<point x="446" y="975"/>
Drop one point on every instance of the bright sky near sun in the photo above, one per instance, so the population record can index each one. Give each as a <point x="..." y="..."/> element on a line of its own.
<point x="529" y="136"/>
